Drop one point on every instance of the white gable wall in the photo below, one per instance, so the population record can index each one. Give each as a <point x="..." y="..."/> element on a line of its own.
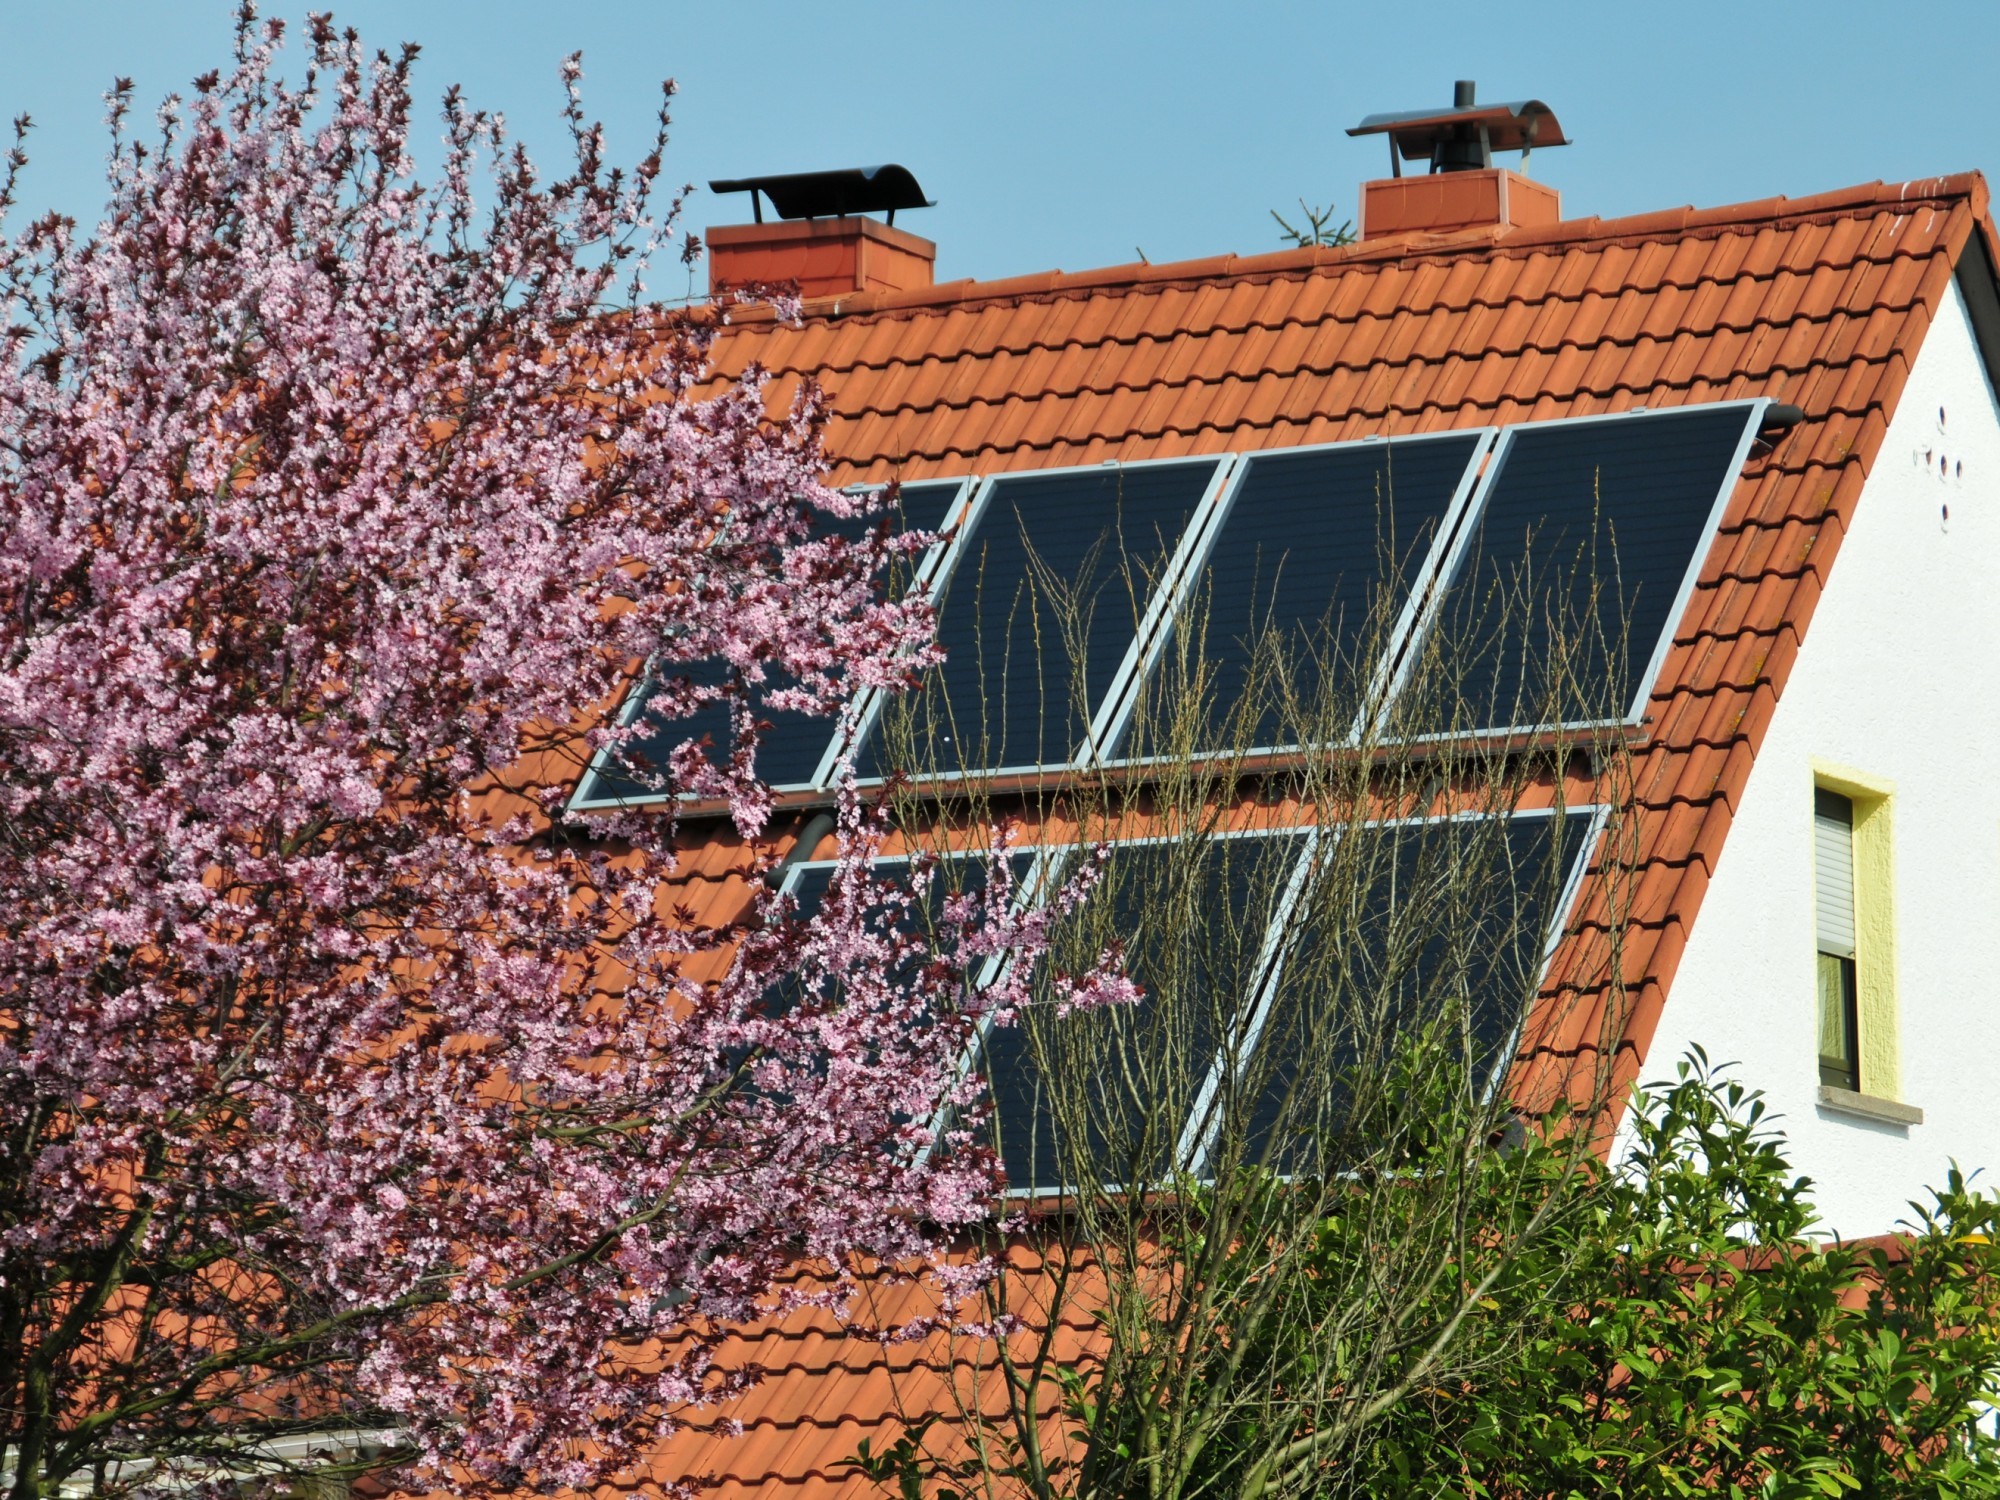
<point x="1898" y="679"/>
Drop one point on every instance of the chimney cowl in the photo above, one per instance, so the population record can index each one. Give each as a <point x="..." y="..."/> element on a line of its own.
<point x="1464" y="137"/>
<point x="822" y="241"/>
<point x="1463" y="189"/>
<point x="830" y="195"/>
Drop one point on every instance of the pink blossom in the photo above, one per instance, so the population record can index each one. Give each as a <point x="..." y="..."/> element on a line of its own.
<point x="333" y="503"/>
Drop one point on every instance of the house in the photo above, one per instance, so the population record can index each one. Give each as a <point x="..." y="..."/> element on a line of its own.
<point x="1815" y="797"/>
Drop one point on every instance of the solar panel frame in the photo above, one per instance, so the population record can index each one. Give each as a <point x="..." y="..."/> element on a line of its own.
<point x="1198" y="1131"/>
<point x="1469" y="529"/>
<point x="1599" y="814"/>
<point x="928" y="581"/>
<point x="583" y="800"/>
<point x="988" y="485"/>
<point x="1197" y="1151"/>
<point x="1118" y="716"/>
<point x="1048" y="865"/>
<point x="1114" y="714"/>
<point x="934" y="579"/>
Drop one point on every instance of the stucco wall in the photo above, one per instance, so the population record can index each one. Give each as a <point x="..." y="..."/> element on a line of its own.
<point x="1898" y="679"/>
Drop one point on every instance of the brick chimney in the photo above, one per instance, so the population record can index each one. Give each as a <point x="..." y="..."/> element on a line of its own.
<point x="826" y="257"/>
<point x="823" y="239"/>
<point x="1445" y="201"/>
<point x="1462" y="189"/>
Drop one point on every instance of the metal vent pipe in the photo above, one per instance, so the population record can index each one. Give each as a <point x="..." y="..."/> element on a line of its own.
<point x="1467" y="148"/>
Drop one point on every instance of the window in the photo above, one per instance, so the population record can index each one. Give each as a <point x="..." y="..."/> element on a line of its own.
<point x="1855" y="937"/>
<point x="1833" y="910"/>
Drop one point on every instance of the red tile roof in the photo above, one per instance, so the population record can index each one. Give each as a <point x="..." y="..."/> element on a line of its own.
<point x="828" y="1388"/>
<point x="1821" y="302"/>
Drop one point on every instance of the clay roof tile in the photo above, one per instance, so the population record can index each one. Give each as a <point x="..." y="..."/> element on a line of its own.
<point x="1384" y="295"/>
<point x="1462" y="282"/>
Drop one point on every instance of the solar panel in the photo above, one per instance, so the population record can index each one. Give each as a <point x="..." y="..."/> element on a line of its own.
<point x="1585" y="537"/>
<point x="793" y="745"/>
<point x="922" y="505"/>
<point x="1577" y="551"/>
<point x="1411" y="923"/>
<point x="1045" y="594"/>
<point x="1314" y="560"/>
<point x="956" y="873"/>
<point x="808" y="887"/>
<point x="1192" y="916"/>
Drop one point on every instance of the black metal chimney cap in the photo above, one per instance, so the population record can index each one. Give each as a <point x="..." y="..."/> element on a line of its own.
<point x="822" y="195"/>
<point x="1418" y="133"/>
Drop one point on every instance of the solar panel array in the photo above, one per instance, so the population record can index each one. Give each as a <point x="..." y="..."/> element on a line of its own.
<point x="1231" y="1021"/>
<point x="1542" y="567"/>
<point x="1059" y="592"/>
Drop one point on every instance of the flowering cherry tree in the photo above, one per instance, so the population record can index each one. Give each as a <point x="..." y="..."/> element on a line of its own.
<point x="347" y="1081"/>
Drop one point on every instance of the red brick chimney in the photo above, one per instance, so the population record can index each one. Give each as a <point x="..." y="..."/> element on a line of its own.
<point x="1462" y="189"/>
<point x="822" y="241"/>
<point x="1445" y="201"/>
<point x="826" y="257"/>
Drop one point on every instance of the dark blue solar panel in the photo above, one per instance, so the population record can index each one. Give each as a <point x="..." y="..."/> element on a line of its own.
<point x="1192" y="919"/>
<point x="1317" y="555"/>
<point x="922" y="506"/>
<point x="956" y="873"/>
<point x="792" y="744"/>
<point x="1453" y="910"/>
<point x="1008" y="691"/>
<point x="1583" y="540"/>
<point x="788" y="751"/>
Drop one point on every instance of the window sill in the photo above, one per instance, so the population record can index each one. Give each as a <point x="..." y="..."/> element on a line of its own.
<point x="1868" y="1106"/>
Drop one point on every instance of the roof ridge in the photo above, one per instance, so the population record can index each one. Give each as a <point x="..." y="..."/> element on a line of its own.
<point x="1413" y="247"/>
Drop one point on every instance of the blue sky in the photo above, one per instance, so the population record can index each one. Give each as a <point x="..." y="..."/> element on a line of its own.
<point x="1082" y="133"/>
